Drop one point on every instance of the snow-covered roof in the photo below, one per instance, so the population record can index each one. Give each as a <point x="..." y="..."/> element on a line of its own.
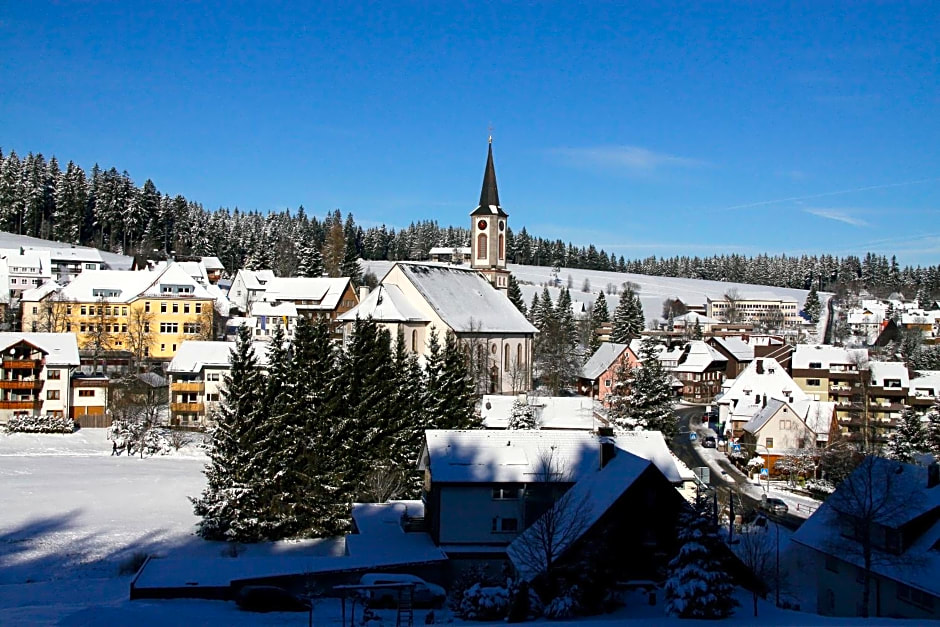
<point x="882" y="371"/>
<point x="118" y="286"/>
<point x="926" y="384"/>
<point x="920" y="317"/>
<point x="552" y="412"/>
<point x="903" y="491"/>
<point x="762" y="417"/>
<point x="449" y="250"/>
<point x="255" y="279"/>
<point x="698" y="356"/>
<point x="194" y="355"/>
<point x="745" y="395"/>
<point x="497" y="456"/>
<point x="222" y="303"/>
<point x="212" y="263"/>
<point x="593" y="494"/>
<point x="385" y="303"/>
<point x="61" y="349"/>
<point x="324" y="291"/>
<point x="264" y="308"/>
<point x="736" y="347"/>
<point x="603" y="357"/>
<point x="465" y="300"/>
<point x="690" y="318"/>
<point x="38" y="293"/>
<point x="825" y="355"/>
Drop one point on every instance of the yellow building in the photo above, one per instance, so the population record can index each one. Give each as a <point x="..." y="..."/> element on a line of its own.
<point x="145" y="314"/>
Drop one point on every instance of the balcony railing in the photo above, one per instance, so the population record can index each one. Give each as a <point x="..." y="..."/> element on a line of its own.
<point x="188" y="386"/>
<point x="32" y="364"/>
<point x="10" y="384"/>
<point x="187" y="408"/>
<point x="20" y="404"/>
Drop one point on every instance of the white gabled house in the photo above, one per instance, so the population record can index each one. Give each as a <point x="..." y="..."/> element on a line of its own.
<point x="36" y="373"/>
<point x="248" y="286"/>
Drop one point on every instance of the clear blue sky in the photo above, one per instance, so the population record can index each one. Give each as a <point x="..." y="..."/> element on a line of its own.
<point x="645" y="130"/>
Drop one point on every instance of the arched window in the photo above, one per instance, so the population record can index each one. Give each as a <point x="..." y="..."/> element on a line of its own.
<point x="506" y="357"/>
<point x="481" y="246"/>
<point x="519" y="355"/>
<point x="414" y="341"/>
<point x="502" y="247"/>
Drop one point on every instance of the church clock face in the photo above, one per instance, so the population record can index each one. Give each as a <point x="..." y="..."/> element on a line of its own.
<point x="481" y="225"/>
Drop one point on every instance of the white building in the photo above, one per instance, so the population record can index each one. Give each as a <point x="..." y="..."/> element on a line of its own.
<point x="248" y="286"/>
<point x="21" y="271"/>
<point x="35" y="374"/>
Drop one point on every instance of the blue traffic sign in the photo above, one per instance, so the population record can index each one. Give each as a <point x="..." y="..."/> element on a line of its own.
<point x="693" y="437"/>
<point x="764" y="471"/>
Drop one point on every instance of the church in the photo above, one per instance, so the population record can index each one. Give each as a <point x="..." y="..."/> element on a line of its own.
<point x="415" y="298"/>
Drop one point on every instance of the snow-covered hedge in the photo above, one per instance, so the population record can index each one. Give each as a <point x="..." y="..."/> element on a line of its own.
<point x="139" y="438"/>
<point x="41" y="424"/>
<point x="565" y="605"/>
<point x="484" y="603"/>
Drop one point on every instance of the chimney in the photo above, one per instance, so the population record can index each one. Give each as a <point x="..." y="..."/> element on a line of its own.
<point x="363" y="292"/>
<point x="933" y="475"/>
<point x="608" y="451"/>
<point x="765" y="400"/>
<point x="759" y="366"/>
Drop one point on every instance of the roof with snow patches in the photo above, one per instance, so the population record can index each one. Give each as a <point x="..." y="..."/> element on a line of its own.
<point x="605" y="355"/>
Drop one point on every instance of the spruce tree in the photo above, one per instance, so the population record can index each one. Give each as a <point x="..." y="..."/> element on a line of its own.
<point x="457" y="388"/>
<point x="534" y="309"/>
<point x="697" y="583"/>
<point x="650" y="399"/>
<point x="933" y="429"/>
<point x="407" y="435"/>
<point x="230" y="504"/>
<point x="515" y="295"/>
<point x="599" y="316"/>
<point x="908" y="440"/>
<point x="812" y="307"/>
<point x="522" y="416"/>
<point x="628" y="320"/>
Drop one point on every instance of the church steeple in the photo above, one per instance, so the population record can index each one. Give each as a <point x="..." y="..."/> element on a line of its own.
<point x="489" y="195"/>
<point x="488" y="230"/>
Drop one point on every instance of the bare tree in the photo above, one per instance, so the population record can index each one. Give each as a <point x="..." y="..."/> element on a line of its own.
<point x="797" y="462"/>
<point x="755" y="549"/>
<point x="384" y="483"/>
<point x="871" y="505"/>
<point x="99" y="333"/>
<point x="732" y="312"/>
<point x="860" y="410"/>
<point x="140" y="336"/>
<point x="136" y="409"/>
<point x="519" y="375"/>
<point x="561" y="517"/>
<point x="53" y="314"/>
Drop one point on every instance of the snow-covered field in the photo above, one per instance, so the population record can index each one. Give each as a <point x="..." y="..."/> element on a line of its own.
<point x="653" y="290"/>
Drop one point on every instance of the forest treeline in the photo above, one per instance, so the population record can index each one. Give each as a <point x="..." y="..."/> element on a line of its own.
<point x="106" y="209"/>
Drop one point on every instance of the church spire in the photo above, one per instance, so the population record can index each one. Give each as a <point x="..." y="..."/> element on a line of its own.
<point x="489" y="195"/>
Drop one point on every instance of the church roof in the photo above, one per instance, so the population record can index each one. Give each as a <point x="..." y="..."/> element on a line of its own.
<point x="489" y="195"/>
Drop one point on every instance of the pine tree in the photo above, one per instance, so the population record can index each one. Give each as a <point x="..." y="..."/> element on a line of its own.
<point x="812" y="308"/>
<point x="311" y="262"/>
<point x="230" y="504"/>
<point x="533" y="312"/>
<point x="515" y="295"/>
<point x="599" y="317"/>
<point x="908" y="440"/>
<point x="457" y="388"/>
<point x="407" y="436"/>
<point x="628" y="320"/>
<point x="651" y="400"/>
<point x="933" y="429"/>
<point x="522" y="416"/>
<point x="697" y="584"/>
<point x="618" y="401"/>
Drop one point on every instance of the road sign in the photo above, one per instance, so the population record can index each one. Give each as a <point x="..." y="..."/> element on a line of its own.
<point x="736" y="447"/>
<point x="764" y="472"/>
<point x="693" y="437"/>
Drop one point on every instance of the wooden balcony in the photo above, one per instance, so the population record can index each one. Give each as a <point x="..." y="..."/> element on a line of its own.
<point x="20" y="404"/>
<point x="12" y="384"/>
<point x="31" y="364"/>
<point x="187" y="408"/>
<point x="188" y="386"/>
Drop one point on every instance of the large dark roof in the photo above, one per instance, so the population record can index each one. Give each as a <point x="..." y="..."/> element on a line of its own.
<point x="489" y="195"/>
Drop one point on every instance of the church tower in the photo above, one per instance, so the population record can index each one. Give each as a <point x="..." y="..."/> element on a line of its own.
<point x="488" y="231"/>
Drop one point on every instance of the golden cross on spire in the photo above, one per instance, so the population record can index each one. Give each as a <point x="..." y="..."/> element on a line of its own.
<point x="490" y="129"/>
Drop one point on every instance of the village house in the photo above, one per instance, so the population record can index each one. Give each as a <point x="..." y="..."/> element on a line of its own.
<point x="197" y="376"/>
<point x="599" y="375"/>
<point x="112" y="310"/>
<point x="736" y="351"/>
<point x="927" y="322"/>
<point x="247" y="287"/>
<point x="779" y="429"/>
<point x="755" y="310"/>
<point x="23" y="270"/>
<point x="36" y="372"/>
<point x="900" y="528"/>
<point x="450" y="254"/>
<point x="698" y="367"/>
<point x="568" y="413"/>
<point x="746" y="395"/>
<point x="483" y="488"/>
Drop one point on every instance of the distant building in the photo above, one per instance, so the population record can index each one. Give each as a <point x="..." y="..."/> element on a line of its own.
<point x="599" y="375"/>
<point x="755" y="310"/>
<point x="35" y="375"/>
<point x="450" y="254"/>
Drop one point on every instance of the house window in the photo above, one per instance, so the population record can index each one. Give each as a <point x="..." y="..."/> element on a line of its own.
<point x="212" y="376"/>
<point x="481" y="246"/>
<point x="812" y="382"/>
<point x="35" y="310"/>
<point x="190" y="328"/>
<point x="185" y="307"/>
<point x="198" y="307"/>
<point x="519" y="355"/>
<point x="169" y="327"/>
<point x="68" y="310"/>
<point x="769" y="443"/>
<point x="162" y="307"/>
<point x="414" y="341"/>
<point x="505" y="525"/>
<point x="52" y="395"/>
<point x="914" y="596"/>
<point x="506" y="357"/>
<point x="147" y="307"/>
<point x="502" y="247"/>
<point x="84" y="310"/>
<point x="505" y="494"/>
<point x="607" y="383"/>
<point x="212" y="398"/>
<point x="86" y="393"/>
<point x="89" y="266"/>
<point x="815" y="365"/>
<point x="53" y="374"/>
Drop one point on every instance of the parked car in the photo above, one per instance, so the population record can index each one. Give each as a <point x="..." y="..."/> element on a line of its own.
<point x="424" y="594"/>
<point x="709" y="441"/>
<point x="270" y="599"/>
<point x="774" y="506"/>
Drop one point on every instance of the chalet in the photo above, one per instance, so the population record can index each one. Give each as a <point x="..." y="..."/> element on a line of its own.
<point x="35" y="375"/>
<point x="899" y="526"/>
<point x="599" y="375"/>
<point x="700" y="368"/>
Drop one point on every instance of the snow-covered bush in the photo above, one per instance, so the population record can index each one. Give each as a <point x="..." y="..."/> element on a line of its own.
<point x="523" y="416"/>
<point x="139" y="437"/>
<point x="755" y="462"/>
<point x="525" y="603"/>
<point x="41" y="424"/>
<point x="565" y="605"/>
<point x="484" y="603"/>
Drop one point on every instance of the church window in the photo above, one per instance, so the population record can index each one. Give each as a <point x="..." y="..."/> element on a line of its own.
<point x="502" y="247"/>
<point x="506" y="357"/>
<point x="414" y="341"/>
<point x="519" y="355"/>
<point x="481" y="246"/>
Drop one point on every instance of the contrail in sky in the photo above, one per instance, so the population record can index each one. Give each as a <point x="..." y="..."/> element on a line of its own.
<point x="824" y="194"/>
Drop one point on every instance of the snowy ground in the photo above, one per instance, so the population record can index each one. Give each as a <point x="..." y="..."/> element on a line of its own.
<point x="653" y="290"/>
<point x="71" y="515"/>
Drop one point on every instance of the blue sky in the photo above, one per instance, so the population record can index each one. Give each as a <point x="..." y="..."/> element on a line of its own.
<point x="647" y="129"/>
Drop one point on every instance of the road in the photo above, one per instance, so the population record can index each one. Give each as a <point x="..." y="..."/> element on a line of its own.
<point x="728" y="484"/>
